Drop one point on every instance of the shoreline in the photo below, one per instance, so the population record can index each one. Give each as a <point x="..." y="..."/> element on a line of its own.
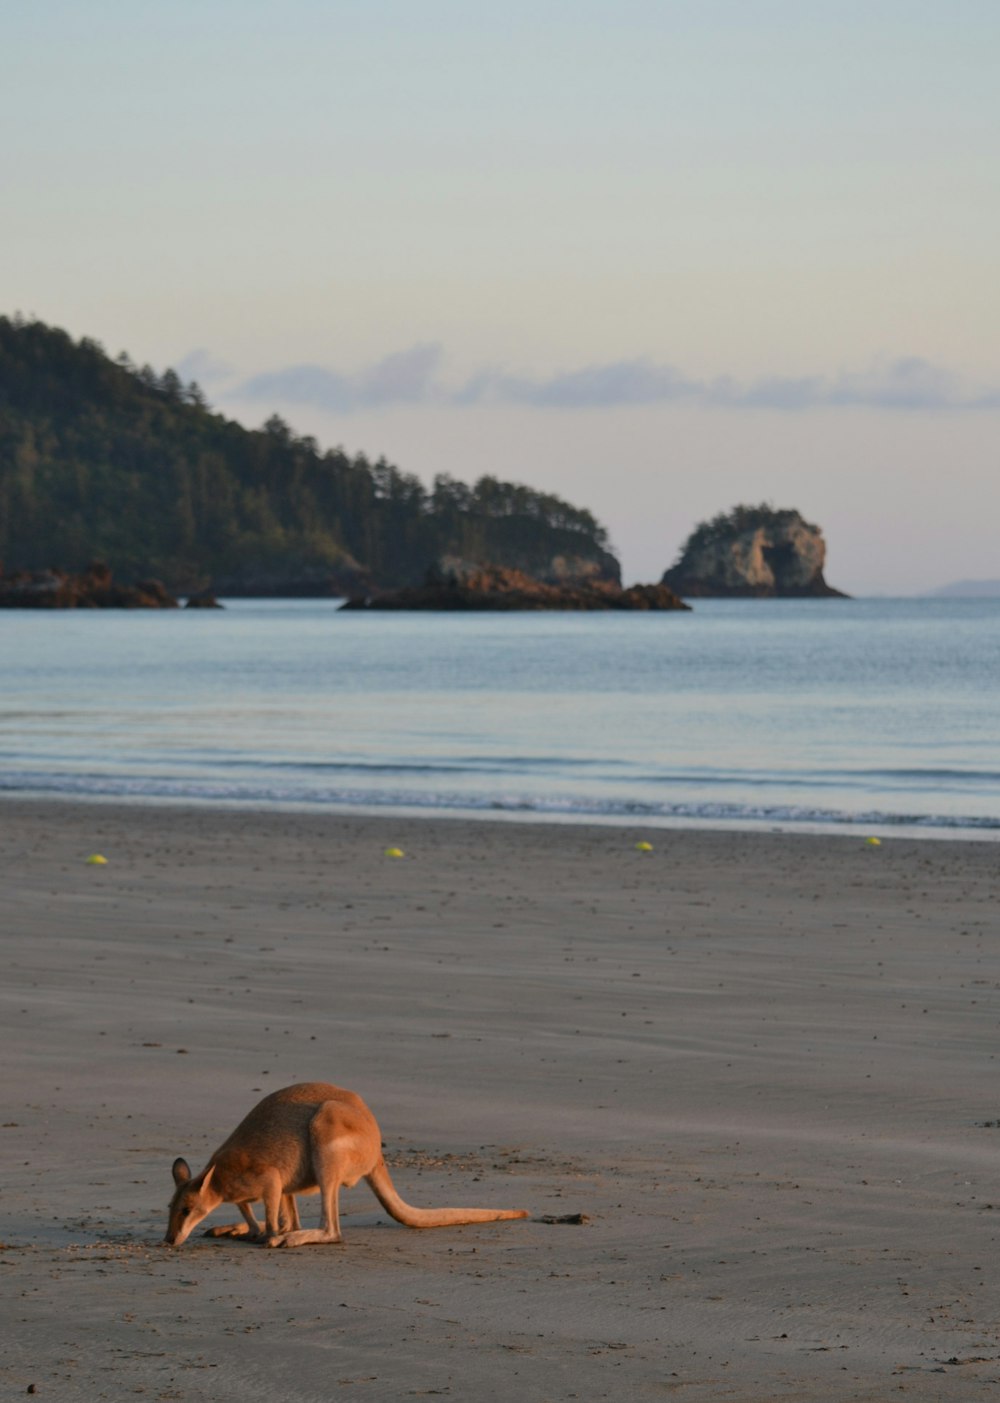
<point x="762" y="1065"/>
<point x="856" y="829"/>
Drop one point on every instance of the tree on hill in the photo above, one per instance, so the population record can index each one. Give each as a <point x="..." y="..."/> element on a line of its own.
<point x="102" y="459"/>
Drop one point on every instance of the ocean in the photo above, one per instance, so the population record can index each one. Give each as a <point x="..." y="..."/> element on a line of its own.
<point x="882" y="714"/>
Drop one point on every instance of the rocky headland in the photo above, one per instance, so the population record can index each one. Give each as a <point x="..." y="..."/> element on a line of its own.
<point x="455" y="585"/>
<point x="113" y="459"/>
<point x="753" y="552"/>
<point x="93" y="588"/>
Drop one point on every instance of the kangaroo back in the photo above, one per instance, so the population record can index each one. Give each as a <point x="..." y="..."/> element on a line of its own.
<point x="275" y="1137"/>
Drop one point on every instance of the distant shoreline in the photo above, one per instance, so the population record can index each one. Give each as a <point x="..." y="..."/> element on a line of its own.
<point x="851" y="831"/>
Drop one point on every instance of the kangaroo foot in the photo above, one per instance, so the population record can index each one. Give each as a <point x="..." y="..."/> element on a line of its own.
<point x="303" y="1238"/>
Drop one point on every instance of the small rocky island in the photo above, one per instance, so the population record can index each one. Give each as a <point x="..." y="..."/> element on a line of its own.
<point x="92" y="588"/>
<point x="753" y="552"/>
<point x="456" y="585"/>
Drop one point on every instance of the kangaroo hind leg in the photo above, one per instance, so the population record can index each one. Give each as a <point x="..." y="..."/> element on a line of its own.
<point x="330" y="1149"/>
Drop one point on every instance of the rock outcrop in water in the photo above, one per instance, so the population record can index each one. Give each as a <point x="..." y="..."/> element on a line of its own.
<point x="455" y="585"/>
<point x="565" y="571"/>
<point x="93" y="588"/>
<point x="753" y="552"/>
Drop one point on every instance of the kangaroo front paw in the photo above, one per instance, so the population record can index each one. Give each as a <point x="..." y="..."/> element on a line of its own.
<point x="229" y="1230"/>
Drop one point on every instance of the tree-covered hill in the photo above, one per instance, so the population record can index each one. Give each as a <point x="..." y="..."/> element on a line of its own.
<point x="103" y="459"/>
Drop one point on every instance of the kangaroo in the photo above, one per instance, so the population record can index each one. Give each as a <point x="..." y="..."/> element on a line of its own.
<point x="309" y="1138"/>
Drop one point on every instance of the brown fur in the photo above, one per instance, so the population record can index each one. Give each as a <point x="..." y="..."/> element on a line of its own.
<point x="309" y="1138"/>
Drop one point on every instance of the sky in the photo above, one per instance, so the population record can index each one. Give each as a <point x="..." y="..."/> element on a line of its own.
<point x="657" y="256"/>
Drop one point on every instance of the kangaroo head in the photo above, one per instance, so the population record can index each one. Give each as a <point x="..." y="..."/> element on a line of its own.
<point x="193" y="1200"/>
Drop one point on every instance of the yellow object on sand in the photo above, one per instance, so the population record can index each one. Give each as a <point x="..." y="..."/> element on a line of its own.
<point x="874" y="842"/>
<point x="644" y="847"/>
<point x="394" y="852"/>
<point x="96" y="860"/>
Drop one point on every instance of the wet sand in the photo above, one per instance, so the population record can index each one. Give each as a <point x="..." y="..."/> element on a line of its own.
<point x="764" y="1066"/>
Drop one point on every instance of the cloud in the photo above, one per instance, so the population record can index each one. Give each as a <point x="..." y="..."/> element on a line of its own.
<point x="905" y="384"/>
<point x="202" y="366"/>
<point x="414" y="376"/>
<point x="404" y="377"/>
<point x="625" y="382"/>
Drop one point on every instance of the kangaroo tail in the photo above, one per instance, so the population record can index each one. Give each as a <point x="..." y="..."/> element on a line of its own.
<point x="383" y="1189"/>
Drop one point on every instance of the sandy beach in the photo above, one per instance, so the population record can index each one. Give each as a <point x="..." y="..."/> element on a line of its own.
<point x="763" y="1066"/>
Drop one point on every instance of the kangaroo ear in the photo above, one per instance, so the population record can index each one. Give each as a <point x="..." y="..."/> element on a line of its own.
<point x="206" y="1178"/>
<point x="181" y="1172"/>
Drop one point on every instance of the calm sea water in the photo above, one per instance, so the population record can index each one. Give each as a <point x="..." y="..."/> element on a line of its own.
<point x="872" y="712"/>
